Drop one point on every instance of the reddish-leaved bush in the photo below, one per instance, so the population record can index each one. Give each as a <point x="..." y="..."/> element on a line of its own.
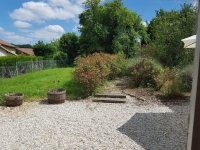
<point x="94" y="69"/>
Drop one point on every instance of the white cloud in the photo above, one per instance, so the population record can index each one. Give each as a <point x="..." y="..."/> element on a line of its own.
<point x="193" y="2"/>
<point x="75" y="29"/>
<point x="52" y="9"/>
<point x="11" y="37"/>
<point x="76" y="20"/>
<point x="48" y="33"/>
<point x="21" y="24"/>
<point x="26" y="31"/>
<point x="1" y="29"/>
<point x="79" y="2"/>
<point x="6" y="33"/>
<point x="16" y="39"/>
<point x="145" y="23"/>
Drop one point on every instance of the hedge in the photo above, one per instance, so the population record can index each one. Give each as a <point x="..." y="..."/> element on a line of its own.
<point x="11" y="60"/>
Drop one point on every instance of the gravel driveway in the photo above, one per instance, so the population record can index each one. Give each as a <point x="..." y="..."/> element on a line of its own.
<point x="89" y="125"/>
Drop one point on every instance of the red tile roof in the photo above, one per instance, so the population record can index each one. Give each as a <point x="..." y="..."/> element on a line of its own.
<point x="8" y="50"/>
<point x="6" y="44"/>
<point x="28" y="51"/>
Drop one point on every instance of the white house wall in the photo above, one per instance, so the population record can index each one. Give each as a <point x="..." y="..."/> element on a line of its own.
<point x="10" y="49"/>
<point x="3" y="52"/>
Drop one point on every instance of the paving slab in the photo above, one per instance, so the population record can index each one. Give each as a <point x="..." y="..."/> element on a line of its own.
<point x="109" y="100"/>
<point x="111" y="95"/>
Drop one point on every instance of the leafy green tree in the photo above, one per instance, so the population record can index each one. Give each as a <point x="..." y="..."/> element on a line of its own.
<point x="69" y="44"/>
<point x="166" y="31"/>
<point x="60" y="56"/>
<point x="55" y="44"/>
<point x="23" y="45"/>
<point x="44" y="50"/>
<point x="109" y="28"/>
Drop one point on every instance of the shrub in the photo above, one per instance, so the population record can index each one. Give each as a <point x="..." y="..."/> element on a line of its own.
<point x="61" y="58"/>
<point x="117" y="65"/>
<point x="11" y="60"/>
<point x="175" y="82"/>
<point x="94" y="69"/>
<point x="186" y="78"/>
<point x="167" y="74"/>
<point x="171" y="87"/>
<point x="145" y="72"/>
<point x="145" y="51"/>
<point x="91" y="71"/>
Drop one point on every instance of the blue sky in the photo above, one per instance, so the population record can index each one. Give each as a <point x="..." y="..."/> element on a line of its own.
<point x="28" y="21"/>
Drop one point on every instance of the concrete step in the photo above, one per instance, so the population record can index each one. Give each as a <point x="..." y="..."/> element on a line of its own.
<point x="109" y="100"/>
<point x="111" y="95"/>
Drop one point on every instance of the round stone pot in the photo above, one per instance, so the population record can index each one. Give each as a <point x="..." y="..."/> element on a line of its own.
<point x="14" y="99"/>
<point x="56" y="96"/>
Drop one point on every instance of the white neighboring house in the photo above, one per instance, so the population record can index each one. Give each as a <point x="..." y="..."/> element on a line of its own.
<point x="9" y="49"/>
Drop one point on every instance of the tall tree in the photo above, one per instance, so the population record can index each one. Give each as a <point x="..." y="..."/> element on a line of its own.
<point x="55" y="44"/>
<point x="44" y="50"/>
<point x="166" y="31"/>
<point x="109" y="27"/>
<point x="69" y="44"/>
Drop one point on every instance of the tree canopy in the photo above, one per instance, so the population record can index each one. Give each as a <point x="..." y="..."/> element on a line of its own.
<point x="44" y="50"/>
<point x="69" y="44"/>
<point x="109" y="28"/>
<point x="166" y="31"/>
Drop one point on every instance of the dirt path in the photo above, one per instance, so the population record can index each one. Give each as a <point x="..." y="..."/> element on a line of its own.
<point x="139" y="95"/>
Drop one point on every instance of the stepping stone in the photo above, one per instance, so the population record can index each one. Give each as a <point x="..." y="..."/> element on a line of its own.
<point x="111" y="95"/>
<point x="120" y="84"/>
<point x="109" y="100"/>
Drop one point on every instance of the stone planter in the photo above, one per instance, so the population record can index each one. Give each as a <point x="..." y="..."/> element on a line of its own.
<point x="56" y="96"/>
<point x="14" y="99"/>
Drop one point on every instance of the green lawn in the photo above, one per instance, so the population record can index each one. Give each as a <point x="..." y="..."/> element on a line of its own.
<point x="34" y="86"/>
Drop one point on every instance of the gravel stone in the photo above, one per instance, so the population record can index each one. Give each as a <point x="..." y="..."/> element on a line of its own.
<point x="96" y="126"/>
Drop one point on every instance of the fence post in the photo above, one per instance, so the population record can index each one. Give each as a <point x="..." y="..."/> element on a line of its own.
<point x="16" y="69"/>
<point x="32" y="65"/>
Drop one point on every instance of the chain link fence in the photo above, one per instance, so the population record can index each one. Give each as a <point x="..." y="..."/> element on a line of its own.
<point x="7" y="72"/>
<point x="32" y="66"/>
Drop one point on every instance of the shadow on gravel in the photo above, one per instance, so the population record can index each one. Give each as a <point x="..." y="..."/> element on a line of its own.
<point x="157" y="131"/>
<point x="44" y="102"/>
<point x="3" y="104"/>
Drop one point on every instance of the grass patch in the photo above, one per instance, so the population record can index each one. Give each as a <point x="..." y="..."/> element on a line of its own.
<point x="34" y="86"/>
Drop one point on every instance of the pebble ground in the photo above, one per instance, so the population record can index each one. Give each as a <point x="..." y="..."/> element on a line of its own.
<point x="89" y="125"/>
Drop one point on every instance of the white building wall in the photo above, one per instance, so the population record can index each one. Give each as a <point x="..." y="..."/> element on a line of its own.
<point x="3" y="52"/>
<point x="10" y="49"/>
